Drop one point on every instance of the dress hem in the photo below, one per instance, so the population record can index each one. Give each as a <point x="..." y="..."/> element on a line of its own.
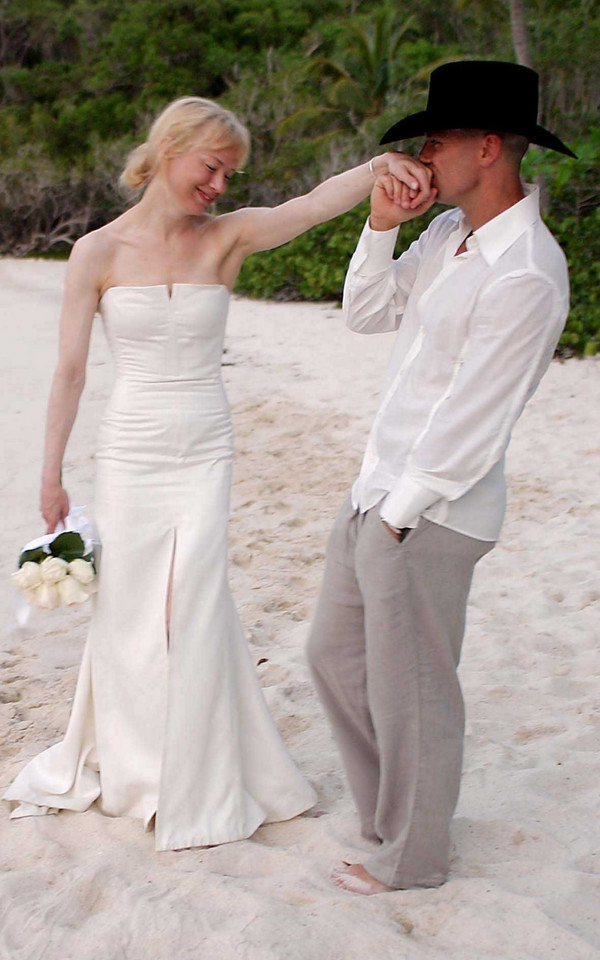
<point x="165" y="846"/>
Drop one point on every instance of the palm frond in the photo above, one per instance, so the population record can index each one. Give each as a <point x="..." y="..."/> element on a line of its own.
<point x="325" y="67"/>
<point x="363" y="47"/>
<point x="343" y="90"/>
<point x="423" y="72"/>
<point x="297" y="122"/>
<point x="411" y="24"/>
<point x="381" y="34"/>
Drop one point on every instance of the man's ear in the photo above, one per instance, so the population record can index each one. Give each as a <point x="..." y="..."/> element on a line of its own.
<point x="491" y="148"/>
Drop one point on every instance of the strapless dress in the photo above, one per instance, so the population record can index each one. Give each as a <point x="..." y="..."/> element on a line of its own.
<point x="168" y="726"/>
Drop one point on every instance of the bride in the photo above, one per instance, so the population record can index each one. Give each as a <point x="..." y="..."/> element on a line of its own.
<point x="168" y="721"/>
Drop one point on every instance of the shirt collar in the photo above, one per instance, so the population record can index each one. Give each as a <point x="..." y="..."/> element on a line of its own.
<point x="497" y="235"/>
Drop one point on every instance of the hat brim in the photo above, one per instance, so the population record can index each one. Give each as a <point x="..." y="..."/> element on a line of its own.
<point x="418" y="124"/>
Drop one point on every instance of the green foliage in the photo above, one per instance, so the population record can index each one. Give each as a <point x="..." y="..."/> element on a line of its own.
<point x="573" y="188"/>
<point x="37" y="555"/>
<point x="68" y="546"/>
<point x="316" y="81"/>
<point x="313" y="266"/>
<point x="580" y="240"/>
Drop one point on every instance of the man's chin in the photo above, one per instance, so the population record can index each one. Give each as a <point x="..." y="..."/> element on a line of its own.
<point x="445" y="199"/>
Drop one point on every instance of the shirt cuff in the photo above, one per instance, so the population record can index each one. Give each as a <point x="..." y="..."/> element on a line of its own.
<point x="375" y="250"/>
<point x="406" y="502"/>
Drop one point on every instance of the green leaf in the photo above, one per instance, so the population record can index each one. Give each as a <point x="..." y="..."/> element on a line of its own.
<point x="68" y="546"/>
<point x="32" y="556"/>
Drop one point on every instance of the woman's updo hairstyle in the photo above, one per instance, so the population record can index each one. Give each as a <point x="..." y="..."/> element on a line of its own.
<point x="189" y="121"/>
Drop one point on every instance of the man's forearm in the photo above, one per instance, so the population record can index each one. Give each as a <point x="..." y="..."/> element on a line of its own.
<point x="406" y="502"/>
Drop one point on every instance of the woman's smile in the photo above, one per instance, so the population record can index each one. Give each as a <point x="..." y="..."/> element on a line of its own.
<point x="204" y="196"/>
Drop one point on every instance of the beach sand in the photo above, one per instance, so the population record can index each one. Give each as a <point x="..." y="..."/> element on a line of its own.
<point x="525" y="879"/>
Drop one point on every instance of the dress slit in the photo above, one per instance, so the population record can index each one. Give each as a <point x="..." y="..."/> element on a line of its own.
<point x="169" y="596"/>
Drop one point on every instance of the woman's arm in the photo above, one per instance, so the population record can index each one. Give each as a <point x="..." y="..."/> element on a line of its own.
<point x="262" y="228"/>
<point x="79" y="306"/>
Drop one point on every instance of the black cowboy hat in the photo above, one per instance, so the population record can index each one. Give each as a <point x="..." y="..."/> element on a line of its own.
<point x="480" y="95"/>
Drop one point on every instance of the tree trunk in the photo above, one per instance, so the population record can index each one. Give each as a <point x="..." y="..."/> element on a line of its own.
<point x="518" y="31"/>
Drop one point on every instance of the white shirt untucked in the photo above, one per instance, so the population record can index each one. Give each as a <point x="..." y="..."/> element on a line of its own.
<point x="476" y="333"/>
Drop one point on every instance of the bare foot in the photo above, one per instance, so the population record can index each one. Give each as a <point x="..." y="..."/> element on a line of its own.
<point x="354" y="878"/>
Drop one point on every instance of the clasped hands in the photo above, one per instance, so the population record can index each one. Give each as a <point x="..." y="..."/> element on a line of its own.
<point x="402" y="190"/>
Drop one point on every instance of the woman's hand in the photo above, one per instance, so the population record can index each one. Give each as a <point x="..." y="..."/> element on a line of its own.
<point x="402" y="190"/>
<point x="54" y="504"/>
<point x="408" y="178"/>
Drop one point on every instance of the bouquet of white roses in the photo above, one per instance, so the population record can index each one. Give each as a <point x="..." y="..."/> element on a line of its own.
<point x="57" y="569"/>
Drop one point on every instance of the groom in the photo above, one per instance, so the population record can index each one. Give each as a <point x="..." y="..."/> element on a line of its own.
<point x="479" y="302"/>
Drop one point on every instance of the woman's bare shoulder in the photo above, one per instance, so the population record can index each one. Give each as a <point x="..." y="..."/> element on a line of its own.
<point x="96" y="244"/>
<point x="94" y="252"/>
<point x="226" y="229"/>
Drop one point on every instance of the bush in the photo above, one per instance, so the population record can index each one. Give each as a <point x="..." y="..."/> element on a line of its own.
<point x="580" y="240"/>
<point x="313" y="267"/>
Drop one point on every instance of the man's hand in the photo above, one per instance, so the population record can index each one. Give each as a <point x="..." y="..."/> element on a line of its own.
<point x="401" y="192"/>
<point x="394" y="533"/>
<point x="398" y="535"/>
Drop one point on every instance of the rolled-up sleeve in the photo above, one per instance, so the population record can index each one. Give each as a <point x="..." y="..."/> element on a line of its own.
<point x="512" y="337"/>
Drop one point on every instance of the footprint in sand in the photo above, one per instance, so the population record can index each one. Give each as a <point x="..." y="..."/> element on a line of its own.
<point x="9" y="694"/>
<point x="252" y="860"/>
<point x="526" y="734"/>
<point x="271" y="674"/>
<point x="292" y="727"/>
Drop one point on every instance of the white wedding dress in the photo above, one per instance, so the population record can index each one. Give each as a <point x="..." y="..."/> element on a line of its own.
<point x="167" y="726"/>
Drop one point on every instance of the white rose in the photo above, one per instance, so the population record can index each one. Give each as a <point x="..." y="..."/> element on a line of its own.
<point x="71" y="591"/>
<point x="30" y="596"/>
<point x="53" y="569"/>
<point x="28" y="576"/>
<point x="82" y="570"/>
<point x="46" y="596"/>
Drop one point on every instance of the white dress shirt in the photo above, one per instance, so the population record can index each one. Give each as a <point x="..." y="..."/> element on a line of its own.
<point x="476" y="333"/>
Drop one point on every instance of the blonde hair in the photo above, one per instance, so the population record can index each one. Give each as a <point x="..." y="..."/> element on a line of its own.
<point x="188" y="121"/>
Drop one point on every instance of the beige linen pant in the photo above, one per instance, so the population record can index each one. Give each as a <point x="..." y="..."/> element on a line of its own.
<point x="384" y="650"/>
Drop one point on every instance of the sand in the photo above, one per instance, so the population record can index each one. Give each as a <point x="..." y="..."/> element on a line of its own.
<point x="525" y="879"/>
